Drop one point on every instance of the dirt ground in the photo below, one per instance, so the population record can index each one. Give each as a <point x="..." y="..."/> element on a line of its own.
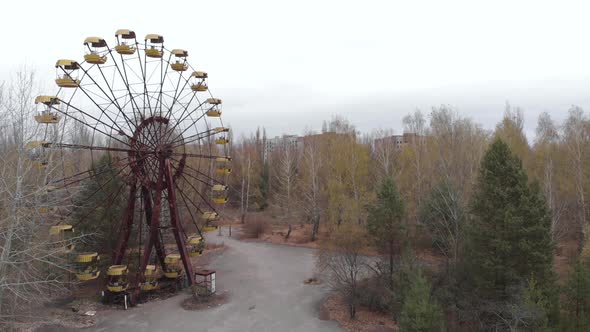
<point x="202" y="303"/>
<point x="83" y="308"/>
<point x="300" y="236"/>
<point x="334" y="308"/>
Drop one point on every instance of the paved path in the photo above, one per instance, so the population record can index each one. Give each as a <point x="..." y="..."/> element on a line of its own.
<point x="266" y="288"/>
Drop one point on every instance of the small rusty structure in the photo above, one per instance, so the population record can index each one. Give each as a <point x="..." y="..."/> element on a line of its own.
<point x="205" y="282"/>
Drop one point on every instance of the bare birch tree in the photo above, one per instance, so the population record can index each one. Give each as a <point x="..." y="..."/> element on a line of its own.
<point x="286" y="179"/>
<point x="546" y="151"/>
<point x="33" y="267"/>
<point x="576" y="138"/>
<point x="312" y="182"/>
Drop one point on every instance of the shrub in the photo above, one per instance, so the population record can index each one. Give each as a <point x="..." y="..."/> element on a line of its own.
<point x="375" y="295"/>
<point x="254" y="228"/>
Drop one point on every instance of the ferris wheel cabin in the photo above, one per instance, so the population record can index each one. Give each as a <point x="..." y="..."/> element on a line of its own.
<point x="95" y="47"/>
<point x="209" y="217"/>
<point x="222" y="165"/>
<point x="150" y="278"/>
<point x="221" y="129"/>
<point x="180" y="60"/>
<point x="87" y="266"/>
<point x="221" y="141"/>
<point x="219" y="193"/>
<point x="60" y="235"/>
<point x="199" y="83"/>
<point x="117" y="278"/>
<point x="67" y="76"/>
<point x="154" y="45"/>
<point x="46" y="116"/>
<point x="195" y="246"/>
<point x="214" y="111"/>
<point x="124" y="44"/>
<point x="173" y="268"/>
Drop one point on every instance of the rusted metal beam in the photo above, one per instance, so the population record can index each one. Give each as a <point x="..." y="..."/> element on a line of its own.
<point x="126" y="225"/>
<point x="147" y="204"/>
<point x="153" y="233"/>
<point x="175" y="222"/>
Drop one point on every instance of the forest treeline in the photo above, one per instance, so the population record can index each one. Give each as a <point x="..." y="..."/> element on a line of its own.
<point x="499" y="211"/>
<point x="329" y="177"/>
<point x="494" y="205"/>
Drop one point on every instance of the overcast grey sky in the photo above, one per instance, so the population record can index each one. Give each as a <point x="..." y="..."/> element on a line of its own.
<point x="288" y="65"/>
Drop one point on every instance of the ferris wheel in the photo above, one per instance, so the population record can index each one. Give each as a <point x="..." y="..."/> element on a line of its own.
<point x="153" y="115"/>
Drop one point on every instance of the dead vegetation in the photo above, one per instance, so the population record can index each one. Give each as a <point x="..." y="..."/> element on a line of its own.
<point x="255" y="227"/>
<point x="206" y="302"/>
<point x="335" y="308"/>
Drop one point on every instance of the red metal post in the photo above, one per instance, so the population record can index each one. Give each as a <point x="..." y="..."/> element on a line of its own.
<point x="175" y="222"/>
<point x="147" y="203"/>
<point x="154" y="228"/>
<point x="126" y="226"/>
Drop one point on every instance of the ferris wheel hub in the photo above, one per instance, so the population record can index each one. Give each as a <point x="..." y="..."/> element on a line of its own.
<point x="164" y="151"/>
<point x="151" y="144"/>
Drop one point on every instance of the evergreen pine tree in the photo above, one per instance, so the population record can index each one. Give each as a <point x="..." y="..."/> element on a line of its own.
<point x="577" y="299"/>
<point x="385" y="220"/>
<point x="509" y="238"/>
<point x="100" y="205"/>
<point x="421" y="313"/>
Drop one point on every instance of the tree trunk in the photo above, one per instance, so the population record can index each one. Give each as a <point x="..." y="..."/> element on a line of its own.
<point x="288" y="232"/>
<point x="352" y="310"/>
<point x="316" y="226"/>
<point x="391" y="262"/>
<point x="245" y="210"/>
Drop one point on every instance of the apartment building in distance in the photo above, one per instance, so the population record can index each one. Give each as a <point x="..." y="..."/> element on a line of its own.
<point x="398" y="141"/>
<point x="282" y="142"/>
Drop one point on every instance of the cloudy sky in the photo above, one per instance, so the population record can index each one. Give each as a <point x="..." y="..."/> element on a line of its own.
<point x="288" y="65"/>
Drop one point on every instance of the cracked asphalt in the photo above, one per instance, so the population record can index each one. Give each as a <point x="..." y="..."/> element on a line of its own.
<point x="266" y="288"/>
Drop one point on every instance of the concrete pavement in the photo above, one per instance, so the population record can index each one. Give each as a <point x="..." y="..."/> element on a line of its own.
<point x="266" y="289"/>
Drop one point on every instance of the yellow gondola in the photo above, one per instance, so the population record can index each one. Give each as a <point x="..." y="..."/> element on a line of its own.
<point x="153" y="46"/>
<point x="221" y="141"/>
<point x="118" y="278"/>
<point x="222" y="165"/>
<point x="219" y="187"/>
<point x="150" y="279"/>
<point x="210" y="215"/>
<point x="209" y="228"/>
<point x="196" y="245"/>
<point x="59" y="235"/>
<point x="95" y="46"/>
<point x="87" y="266"/>
<point x="36" y="150"/>
<point x="180" y="64"/>
<point x="219" y="194"/>
<point x="200" y="87"/>
<point x="46" y="116"/>
<point x="123" y="35"/>
<point x="221" y="129"/>
<point x="46" y="209"/>
<point x="34" y="145"/>
<point x="66" y="77"/>
<point x="199" y="84"/>
<point x="214" y="101"/>
<point x="173" y="269"/>
<point x="223" y="171"/>
<point x="214" y="113"/>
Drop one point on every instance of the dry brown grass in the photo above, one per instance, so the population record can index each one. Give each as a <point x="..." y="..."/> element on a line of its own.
<point x="334" y="308"/>
<point x="254" y="228"/>
<point x="205" y="302"/>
